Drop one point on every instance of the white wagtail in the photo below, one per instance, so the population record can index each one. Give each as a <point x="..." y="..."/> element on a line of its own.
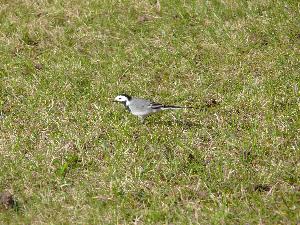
<point x="142" y="107"/>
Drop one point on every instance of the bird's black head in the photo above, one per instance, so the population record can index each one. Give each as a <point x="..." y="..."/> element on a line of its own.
<point x="123" y="98"/>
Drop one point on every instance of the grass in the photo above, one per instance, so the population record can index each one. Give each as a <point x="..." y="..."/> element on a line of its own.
<point x="68" y="155"/>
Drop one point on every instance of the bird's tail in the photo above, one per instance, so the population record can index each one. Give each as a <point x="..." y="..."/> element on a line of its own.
<point x="165" y="107"/>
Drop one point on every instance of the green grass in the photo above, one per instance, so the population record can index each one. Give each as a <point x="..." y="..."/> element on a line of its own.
<point x="69" y="155"/>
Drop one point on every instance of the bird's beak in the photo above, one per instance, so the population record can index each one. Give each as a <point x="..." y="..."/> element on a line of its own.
<point x="114" y="101"/>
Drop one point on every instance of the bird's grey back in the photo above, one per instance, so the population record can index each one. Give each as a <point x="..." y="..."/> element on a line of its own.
<point x="139" y="105"/>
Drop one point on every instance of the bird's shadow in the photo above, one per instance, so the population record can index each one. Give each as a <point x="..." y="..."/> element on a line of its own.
<point x="187" y="124"/>
<point x="179" y="123"/>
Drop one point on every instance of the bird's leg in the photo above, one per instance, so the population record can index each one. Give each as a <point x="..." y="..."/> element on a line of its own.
<point x="142" y="119"/>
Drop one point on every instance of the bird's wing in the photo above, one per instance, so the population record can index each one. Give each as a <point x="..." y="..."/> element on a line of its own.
<point x="155" y="105"/>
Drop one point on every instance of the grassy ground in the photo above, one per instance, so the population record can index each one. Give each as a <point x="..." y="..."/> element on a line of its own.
<point x="68" y="155"/>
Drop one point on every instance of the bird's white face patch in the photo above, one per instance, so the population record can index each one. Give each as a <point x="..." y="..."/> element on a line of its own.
<point x="121" y="98"/>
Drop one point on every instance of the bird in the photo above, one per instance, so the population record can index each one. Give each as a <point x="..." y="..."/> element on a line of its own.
<point x="142" y="107"/>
